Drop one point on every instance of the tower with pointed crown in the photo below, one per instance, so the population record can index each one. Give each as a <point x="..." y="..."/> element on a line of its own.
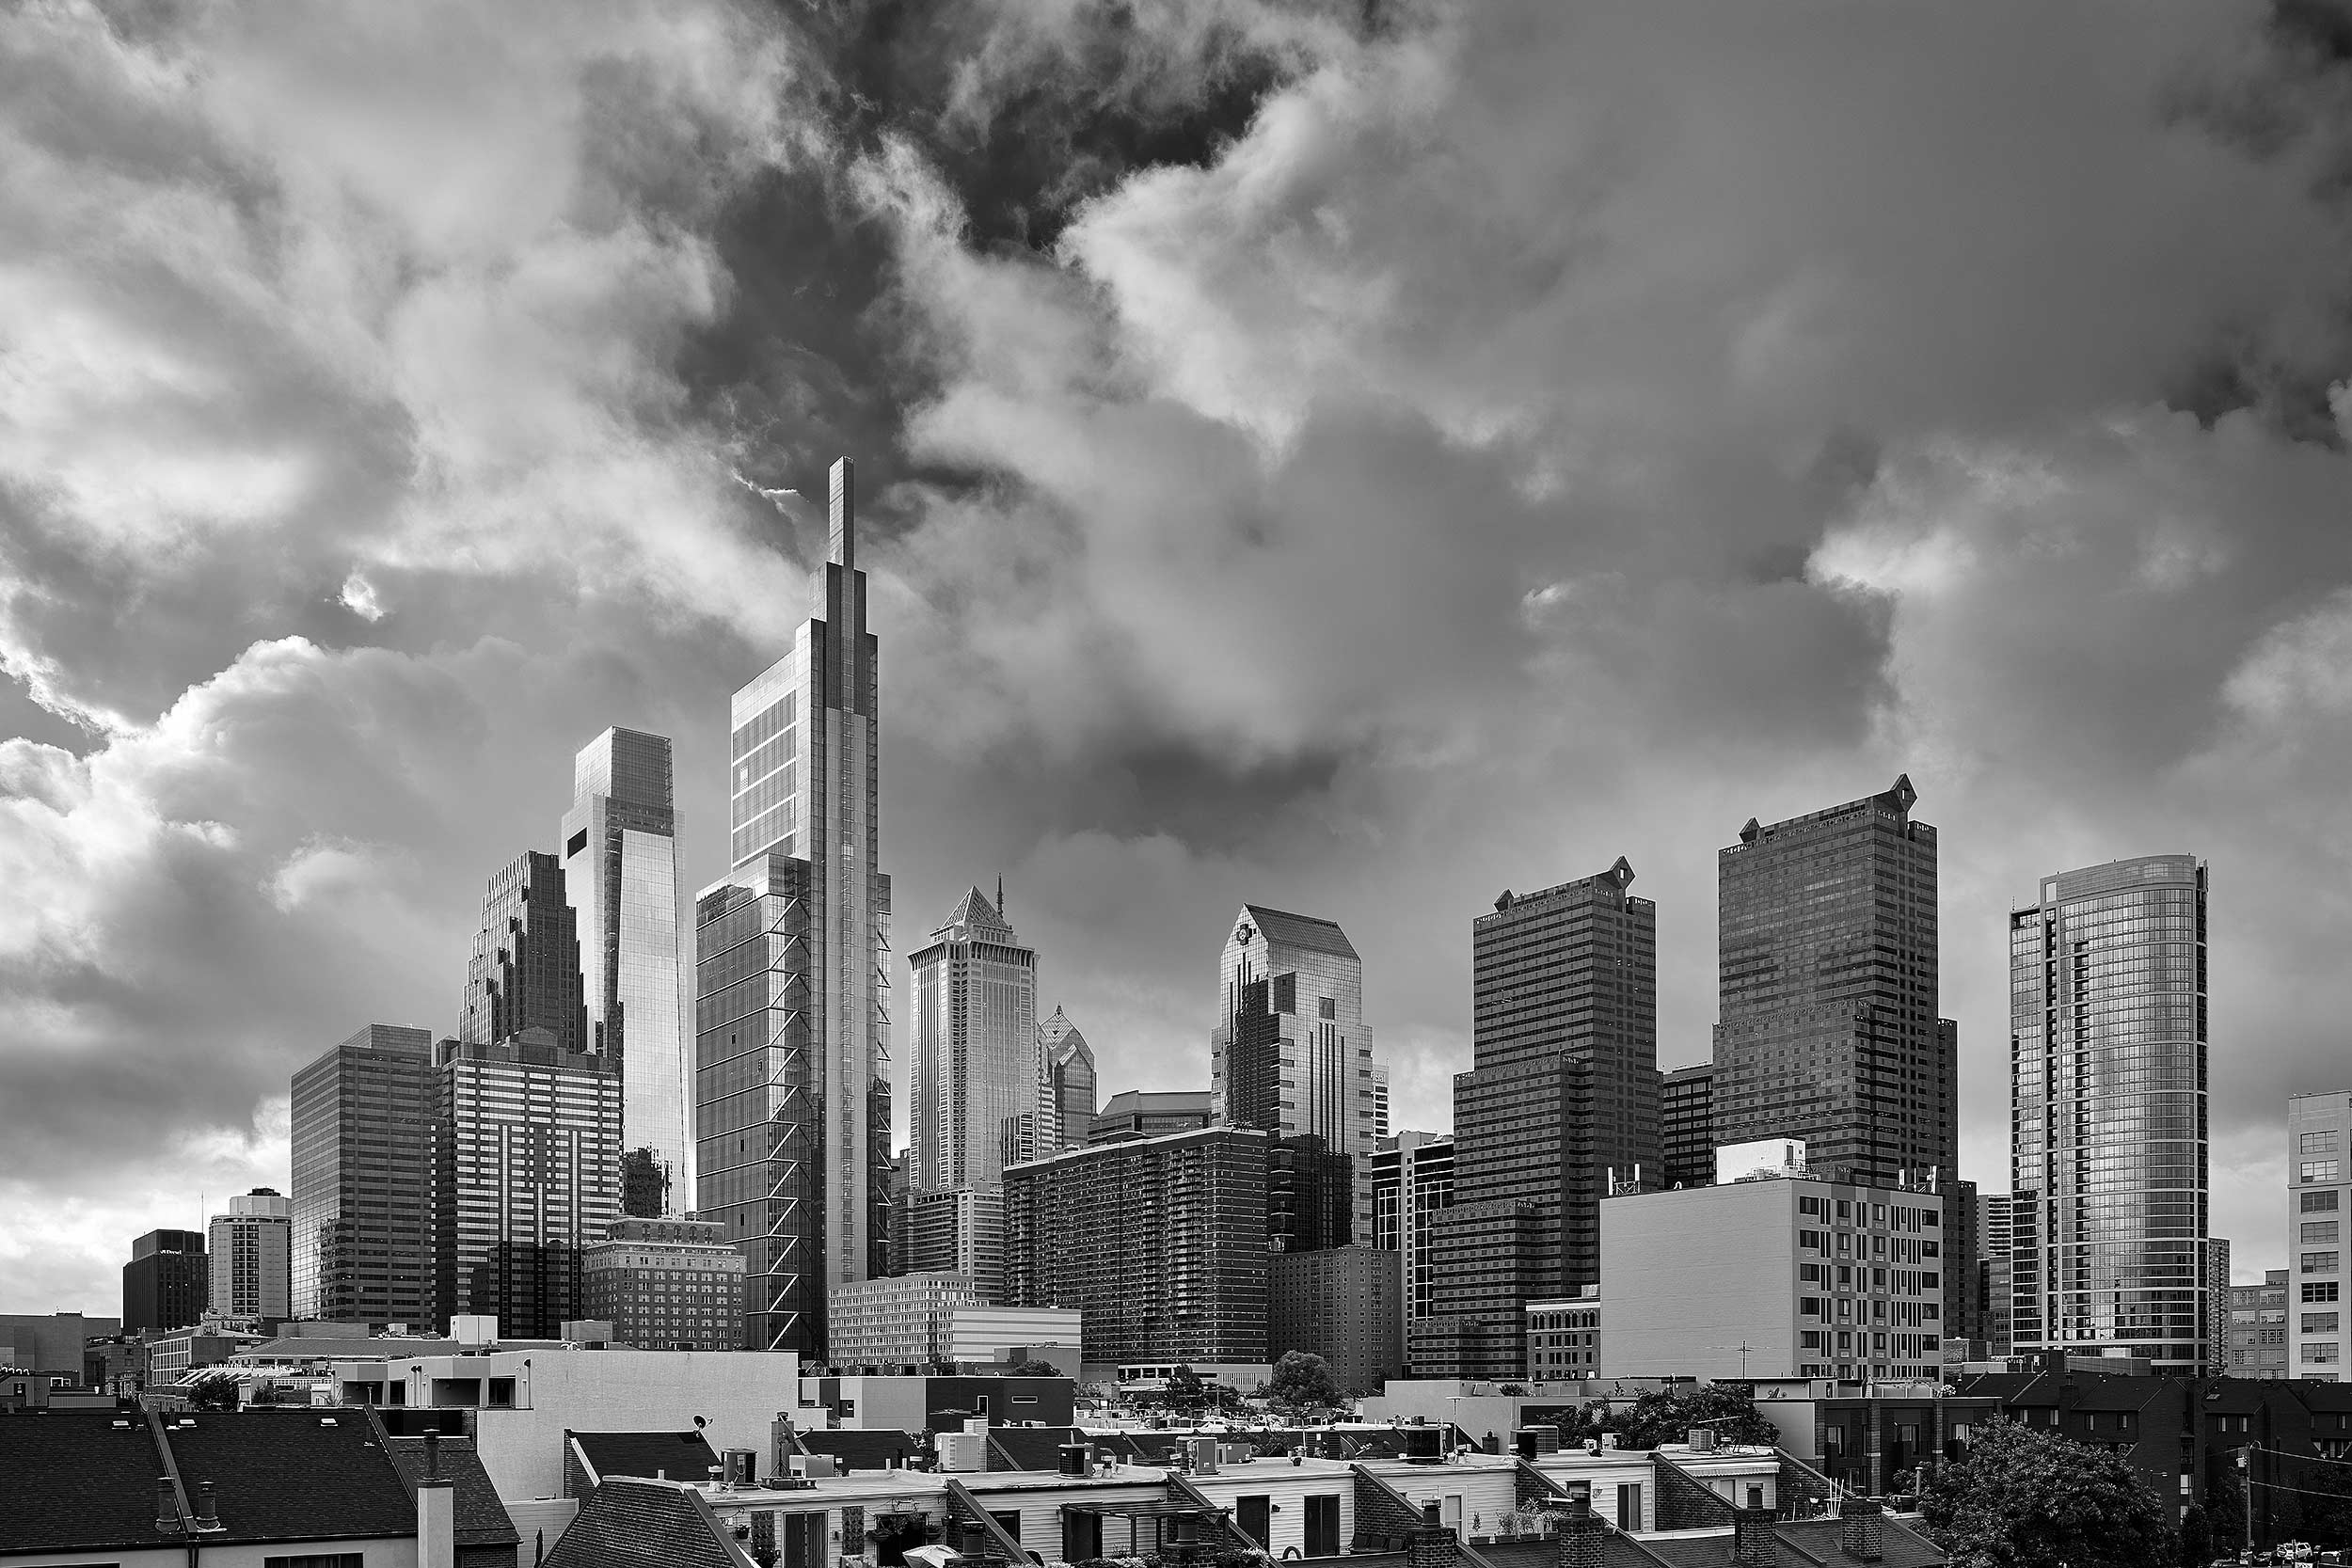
<point x="973" y="1036"/>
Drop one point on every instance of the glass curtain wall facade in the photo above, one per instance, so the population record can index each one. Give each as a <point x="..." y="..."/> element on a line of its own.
<point x="362" y="1136"/>
<point x="620" y="867"/>
<point x="525" y="973"/>
<point x="1294" y="1055"/>
<point x="1563" y="1089"/>
<point x="973" y="1018"/>
<point x="2319" y="1153"/>
<point x="1069" y="1080"/>
<point x="1829" y="989"/>
<point x="792" y="1089"/>
<point x="1412" y="1183"/>
<point x="2107" y="1104"/>
<point x="1686" y="1126"/>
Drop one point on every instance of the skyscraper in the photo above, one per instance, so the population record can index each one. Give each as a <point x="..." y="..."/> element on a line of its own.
<point x="527" y="1173"/>
<point x="1069" y="1080"/>
<point x="165" y="1283"/>
<point x="525" y="971"/>
<point x="1829" y="992"/>
<point x="971" y="1019"/>
<point x="1293" y="1054"/>
<point x="1686" y="1127"/>
<point x="1412" y="1183"/>
<point x="251" y="1257"/>
<point x="363" y="1180"/>
<point x="620" y="867"/>
<point x="1563" y="1088"/>
<point x="2109" y="1254"/>
<point x="792" y="1090"/>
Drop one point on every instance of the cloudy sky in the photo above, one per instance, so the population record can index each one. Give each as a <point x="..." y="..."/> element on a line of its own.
<point x="1356" y="456"/>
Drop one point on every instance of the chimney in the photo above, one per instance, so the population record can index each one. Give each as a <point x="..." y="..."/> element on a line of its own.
<point x="207" y="1515"/>
<point x="1753" y="1544"/>
<point x="436" y="1513"/>
<point x="1582" y="1536"/>
<point x="1859" y="1528"/>
<point x="166" y="1506"/>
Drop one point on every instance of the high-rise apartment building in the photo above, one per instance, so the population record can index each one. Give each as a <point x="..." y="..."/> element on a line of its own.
<point x="250" y="1252"/>
<point x="620" y="867"/>
<point x="527" y="1154"/>
<point x="793" y="1089"/>
<point x="2257" y="1341"/>
<point x="1829" y="992"/>
<point x="1412" y="1183"/>
<point x="363" y="1141"/>
<point x="665" y="1284"/>
<point x="1563" y="1089"/>
<point x="1340" y="1304"/>
<point x="2216" y="1303"/>
<point x="1686" y="1127"/>
<point x="525" y="972"/>
<point x="2319" y="1193"/>
<point x="165" y="1283"/>
<point x="1293" y="1056"/>
<point x="1159" y="1243"/>
<point x="1069" y="1080"/>
<point x="972" y="1016"/>
<point x="958" y="1230"/>
<point x="1996" y="1235"/>
<point x="2107" y="1114"/>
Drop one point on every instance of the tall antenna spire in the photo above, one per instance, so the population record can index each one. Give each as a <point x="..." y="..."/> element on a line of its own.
<point x="1000" y="896"/>
<point x="844" y="512"/>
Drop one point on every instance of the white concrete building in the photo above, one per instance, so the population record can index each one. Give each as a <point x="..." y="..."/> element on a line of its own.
<point x="2319" y="1149"/>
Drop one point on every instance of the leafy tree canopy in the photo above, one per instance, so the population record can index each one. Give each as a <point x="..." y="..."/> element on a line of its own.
<point x="1302" y="1377"/>
<point x="1034" y="1368"/>
<point x="1667" y="1415"/>
<point x="2028" y="1498"/>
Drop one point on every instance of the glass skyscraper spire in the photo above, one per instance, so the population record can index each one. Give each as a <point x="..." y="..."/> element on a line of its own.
<point x="2108" y="1157"/>
<point x="793" y="1092"/>
<point x="620" y="867"/>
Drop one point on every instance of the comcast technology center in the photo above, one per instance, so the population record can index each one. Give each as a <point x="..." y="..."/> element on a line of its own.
<point x="2107" y="1108"/>
<point x="792" y="1097"/>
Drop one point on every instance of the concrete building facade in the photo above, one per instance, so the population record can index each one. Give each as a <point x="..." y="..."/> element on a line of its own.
<point x="888" y="1323"/>
<point x="665" y="1284"/>
<point x="1340" y="1304"/>
<point x="2319" y="1155"/>
<point x="2257" y="1342"/>
<point x="792" y="1047"/>
<point x="1563" y="1338"/>
<point x="1787" y="1278"/>
<point x="1412" y="1183"/>
<point x="250" y="1253"/>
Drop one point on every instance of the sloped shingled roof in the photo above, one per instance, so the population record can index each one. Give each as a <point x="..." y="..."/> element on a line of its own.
<point x="632" y="1523"/>
<point x="478" y="1516"/>
<point x="287" y="1475"/>
<point x="111" y="1502"/>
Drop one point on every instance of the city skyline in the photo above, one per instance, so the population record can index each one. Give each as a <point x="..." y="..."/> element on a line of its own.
<point x="1284" y="484"/>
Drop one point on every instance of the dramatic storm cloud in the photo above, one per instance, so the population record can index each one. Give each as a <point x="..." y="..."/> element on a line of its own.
<point x="1349" y="456"/>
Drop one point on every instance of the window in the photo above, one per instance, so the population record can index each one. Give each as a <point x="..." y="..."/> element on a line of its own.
<point x="2322" y="1231"/>
<point x="2320" y="1170"/>
<point x="2320" y="1262"/>
<point x="1254" y="1513"/>
<point x="2319" y="1203"/>
<point x="1285" y="993"/>
<point x="1009" y="1521"/>
<point x="2318" y="1143"/>
<point x="2319" y="1322"/>
<point x="2320" y="1351"/>
<point x="1326" y="1008"/>
<point x="1630" y="1505"/>
<point x="1322" y="1524"/>
<point x="2325" y="1290"/>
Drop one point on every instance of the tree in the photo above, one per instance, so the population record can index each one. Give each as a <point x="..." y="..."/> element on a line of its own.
<point x="1034" y="1367"/>
<point x="2195" y="1538"/>
<point x="1303" y="1378"/>
<point x="1667" y="1415"/>
<point x="2324" y="1493"/>
<point x="213" y="1392"/>
<point x="2026" y="1497"/>
<point x="1513" y="1390"/>
<point x="2225" y="1498"/>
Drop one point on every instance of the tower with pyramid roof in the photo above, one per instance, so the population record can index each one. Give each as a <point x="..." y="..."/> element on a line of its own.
<point x="972" y="1029"/>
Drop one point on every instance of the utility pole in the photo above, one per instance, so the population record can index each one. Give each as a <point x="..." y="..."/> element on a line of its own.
<point x="2246" y="1489"/>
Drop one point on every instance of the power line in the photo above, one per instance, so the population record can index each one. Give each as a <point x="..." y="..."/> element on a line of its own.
<point x="2296" y="1458"/>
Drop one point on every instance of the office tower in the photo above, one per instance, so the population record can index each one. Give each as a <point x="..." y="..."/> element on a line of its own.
<point x="2319" y="1135"/>
<point x="1159" y="1243"/>
<point x="1563" y="1089"/>
<point x="165" y="1282"/>
<point x="251" y="1257"/>
<point x="1069" y="1080"/>
<point x="1412" y="1183"/>
<point x="1147" y="1114"/>
<point x="793" y="1092"/>
<point x="1995" y="1236"/>
<point x="2257" y="1341"/>
<point x="1685" y="1127"/>
<point x="363" y="1180"/>
<point x="972" y="1013"/>
<point x="954" y="1230"/>
<point x="664" y="1284"/>
<point x="2107" y="1114"/>
<point x="1828" y="989"/>
<point x="1293" y="1056"/>
<point x="526" y="1155"/>
<point x="1340" y="1304"/>
<point x="1310" y="1196"/>
<point x="1786" y="1278"/>
<point x="524" y="973"/>
<point x="620" y="867"/>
